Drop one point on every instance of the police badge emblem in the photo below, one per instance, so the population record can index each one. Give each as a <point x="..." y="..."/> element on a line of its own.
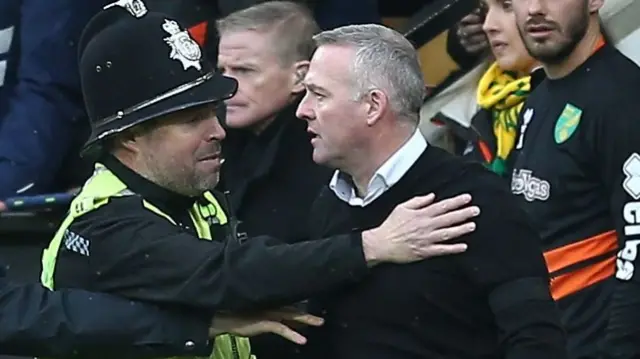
<point x="136" y="8"/>
<point x="183" y="47"/>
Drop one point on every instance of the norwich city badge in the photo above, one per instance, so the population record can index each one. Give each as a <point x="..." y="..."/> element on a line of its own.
<point x="567" y="123"/>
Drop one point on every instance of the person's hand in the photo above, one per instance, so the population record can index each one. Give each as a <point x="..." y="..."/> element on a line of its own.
<point x="264" y="322"/>
<point x="415" y="229"/>
<point x="3" y="207"/>
<point x="469" y="31"/>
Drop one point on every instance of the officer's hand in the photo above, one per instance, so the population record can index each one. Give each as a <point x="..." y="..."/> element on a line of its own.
<point x="470" y="33"/>
<point x="3" y="207"/>
<point x="416" y="229"/>
<point x="264" y="322"/>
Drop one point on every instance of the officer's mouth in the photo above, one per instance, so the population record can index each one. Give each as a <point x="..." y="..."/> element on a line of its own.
<point x="216" y="157"/>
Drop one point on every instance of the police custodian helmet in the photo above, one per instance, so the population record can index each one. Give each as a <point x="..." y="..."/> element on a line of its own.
<point x="136" y="65"/>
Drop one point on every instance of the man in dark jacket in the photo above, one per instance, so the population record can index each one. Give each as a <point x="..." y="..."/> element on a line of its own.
<point x="269" y="173"/>
<point x="37" y="322"/>
<point x="41" y="110"/>
<point x="364" y="92"/>
<point x="75" y="323"/>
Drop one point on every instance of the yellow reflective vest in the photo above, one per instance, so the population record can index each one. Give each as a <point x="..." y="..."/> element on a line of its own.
<point x="96" y="192"/>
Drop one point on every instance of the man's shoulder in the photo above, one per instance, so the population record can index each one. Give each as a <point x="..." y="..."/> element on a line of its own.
<point x="456" y="175"/>
<point x="116" y="214"/>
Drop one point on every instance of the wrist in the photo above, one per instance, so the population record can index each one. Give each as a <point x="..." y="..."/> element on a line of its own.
<point x="370" y="238"/>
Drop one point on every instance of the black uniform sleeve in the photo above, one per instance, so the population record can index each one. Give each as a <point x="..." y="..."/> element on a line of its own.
<point x="505" y="260"/>
<point x="614" y="140"/>
<point x="140" y="255"/>
<point x="66" y="324"/>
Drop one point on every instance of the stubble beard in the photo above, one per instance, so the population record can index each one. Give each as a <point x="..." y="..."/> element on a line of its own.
<point x="556" y="53"/>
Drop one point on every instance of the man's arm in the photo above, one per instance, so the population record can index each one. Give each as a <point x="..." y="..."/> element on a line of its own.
<point x="37" y="322"/>
<point x="140" y="255"/>
<point x="505" y="260"/>
<point x="45" y="104"/>
<point x="615" y="146"/>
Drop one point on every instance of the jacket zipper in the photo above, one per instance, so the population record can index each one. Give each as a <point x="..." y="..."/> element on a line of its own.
<point x="233" y="221"/>
<point x="234" y="348"/>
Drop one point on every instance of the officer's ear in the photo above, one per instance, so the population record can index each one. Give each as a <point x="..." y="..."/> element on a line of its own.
<point x="130" y="139"/>
<point x="300" y="69"/>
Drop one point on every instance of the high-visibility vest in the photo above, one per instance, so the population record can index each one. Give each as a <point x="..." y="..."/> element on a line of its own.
<point x="96" y="192"/>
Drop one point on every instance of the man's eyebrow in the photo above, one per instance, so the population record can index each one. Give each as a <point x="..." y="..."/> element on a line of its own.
<point x="314" y="88"/>
<point x="242" y="64"/>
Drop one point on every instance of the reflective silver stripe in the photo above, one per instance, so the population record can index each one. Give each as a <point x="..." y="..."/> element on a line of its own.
<point x="6" y="37"/>
<point x="176" y="91"/>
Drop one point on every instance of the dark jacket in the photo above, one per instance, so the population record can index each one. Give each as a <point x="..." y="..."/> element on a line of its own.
<point x="576" y="175"/>
<point x="272" y="183"/>
<point x="37" y="322"/>
<point x="42" y="120"/>
<point x="138" y="254"/>
<point x="491" y="302"/>
<point x="272" y="179"/>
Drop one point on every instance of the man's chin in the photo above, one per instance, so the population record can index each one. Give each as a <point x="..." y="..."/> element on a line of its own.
<point x="239" y="121"/>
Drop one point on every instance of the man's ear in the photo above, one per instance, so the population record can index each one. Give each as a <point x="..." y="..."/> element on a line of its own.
<point x="300" y="69"/>
<point x="129" y="140"/>
<point x="595" y="6"/>
<point x="378" y="102"/>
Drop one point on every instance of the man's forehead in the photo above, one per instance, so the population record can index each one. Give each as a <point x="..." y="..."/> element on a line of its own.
<point x="329" y="62"/>
<point x="243" y="47"/>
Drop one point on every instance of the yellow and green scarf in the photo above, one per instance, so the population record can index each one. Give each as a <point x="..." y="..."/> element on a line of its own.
<point x="503" y="94"/>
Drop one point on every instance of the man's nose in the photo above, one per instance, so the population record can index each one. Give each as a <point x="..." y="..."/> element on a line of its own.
<point x="304" y="111"/>
<point x="215" y="130"/>
<point x="535" y="7"/>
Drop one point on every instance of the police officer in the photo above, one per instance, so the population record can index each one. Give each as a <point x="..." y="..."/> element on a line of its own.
<point x="145" y="226"/>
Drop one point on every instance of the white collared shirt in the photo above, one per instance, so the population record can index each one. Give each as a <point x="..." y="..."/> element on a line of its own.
<point x="386" y="176"/>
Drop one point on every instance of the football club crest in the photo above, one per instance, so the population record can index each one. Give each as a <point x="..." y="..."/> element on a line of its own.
<point x="136" y="8"/>
<point x="567" y="123"/>
<point x="183" y="47"/>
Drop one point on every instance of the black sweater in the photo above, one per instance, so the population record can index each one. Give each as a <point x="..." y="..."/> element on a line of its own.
<point x="491" y="302"/>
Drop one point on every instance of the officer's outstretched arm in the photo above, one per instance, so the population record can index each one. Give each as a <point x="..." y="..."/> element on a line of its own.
<point x="37" y="322"/>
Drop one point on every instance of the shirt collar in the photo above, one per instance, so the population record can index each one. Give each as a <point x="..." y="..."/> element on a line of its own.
<point x="385" y="177"/>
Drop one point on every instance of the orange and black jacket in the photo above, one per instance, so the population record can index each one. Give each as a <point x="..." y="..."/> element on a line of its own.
<point x="577" y="174"/>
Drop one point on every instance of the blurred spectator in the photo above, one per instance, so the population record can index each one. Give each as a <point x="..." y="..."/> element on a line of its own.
<point x="269" y="173"/>
<point x="490" y="136"/>
<point x="41" y="110"/>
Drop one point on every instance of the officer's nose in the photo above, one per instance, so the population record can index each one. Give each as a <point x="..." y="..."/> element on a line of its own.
<point x="215" y="131"/>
